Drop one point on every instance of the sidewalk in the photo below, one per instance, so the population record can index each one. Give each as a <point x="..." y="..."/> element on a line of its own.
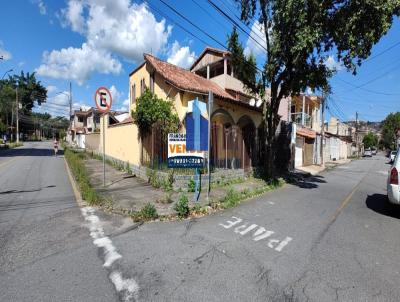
<point x="316" y="169"/>
<point x="127" y="192"/>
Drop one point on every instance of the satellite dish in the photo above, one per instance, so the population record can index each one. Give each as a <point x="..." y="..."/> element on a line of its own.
<point x="259" y="102"/>
<point x="252" y="102"/>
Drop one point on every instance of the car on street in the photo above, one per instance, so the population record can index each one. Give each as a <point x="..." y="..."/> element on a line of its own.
<point x="373" y="151"/>
<point x="368" y="152"/>
<point x="393" y="185"/>
<point x="392" y="156"/>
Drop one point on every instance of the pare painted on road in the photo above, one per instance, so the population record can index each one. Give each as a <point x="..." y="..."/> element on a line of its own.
<point x="258" y="233"/>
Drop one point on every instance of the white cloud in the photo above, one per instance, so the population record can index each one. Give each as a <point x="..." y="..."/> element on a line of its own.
<point x="256" y="34"/>
<point x="51" y="89"/>
<point x="332" y="64"/>
<point x="125" y="106"/>
<point x="73" y="16"/>
<point x="6" y="55"/>
<point x="111" y="28"/>
<point x="42" y="7"/>
<point x="115" y="94"/>
<point x="181" y="56"/>
<point x="77" y="63"/>
<point x="118" y="26"/>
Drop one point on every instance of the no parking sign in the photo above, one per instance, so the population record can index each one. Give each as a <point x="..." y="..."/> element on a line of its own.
<point x="103" y="99"/>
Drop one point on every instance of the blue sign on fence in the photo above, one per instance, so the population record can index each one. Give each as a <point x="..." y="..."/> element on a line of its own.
<point x="196" y="122"/>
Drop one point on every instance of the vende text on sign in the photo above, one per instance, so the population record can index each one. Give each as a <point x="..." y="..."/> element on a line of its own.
<point x="179" y="157"/>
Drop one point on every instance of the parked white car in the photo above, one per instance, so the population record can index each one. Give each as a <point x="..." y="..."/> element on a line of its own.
<point x="392" y="156"/>
<point x="367" y="152"/>
<point x="393" y="185"/>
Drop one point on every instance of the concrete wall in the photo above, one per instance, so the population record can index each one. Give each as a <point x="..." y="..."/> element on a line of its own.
<point x="121" y="142"/>
<point x="93" y="142"/>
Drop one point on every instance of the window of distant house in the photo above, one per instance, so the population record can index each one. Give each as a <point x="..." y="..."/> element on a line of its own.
<point x="142" y="86"/>
<point x="133" y="93"/>
<point x="80" y="119"/>
<point x="152" y="82"/>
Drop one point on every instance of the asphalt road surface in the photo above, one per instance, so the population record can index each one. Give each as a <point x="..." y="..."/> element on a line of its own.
<point x="330" y="238"/>
<point x="46" y="253"/>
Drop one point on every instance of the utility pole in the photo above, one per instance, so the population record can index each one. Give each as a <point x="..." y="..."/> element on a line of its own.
<point x="70" y="101"/>
<point x="357" y="145"/>
<point x="17" y="109"/>
<point x="323" y="129"/>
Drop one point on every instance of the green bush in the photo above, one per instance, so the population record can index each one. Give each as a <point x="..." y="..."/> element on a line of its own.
<point x="147" y="212"/>
<point x="191" y="185"/>
<point x="182" y="206"/>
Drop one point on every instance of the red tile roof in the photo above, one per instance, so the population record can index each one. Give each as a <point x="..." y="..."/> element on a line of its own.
<point x="306" y="132"/>
<point x="186" y="80"/>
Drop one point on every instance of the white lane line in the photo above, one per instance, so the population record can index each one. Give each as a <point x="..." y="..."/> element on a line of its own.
<point x="127" y="287"/>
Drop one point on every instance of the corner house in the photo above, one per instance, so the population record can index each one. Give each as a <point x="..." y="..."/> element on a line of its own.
<point x="235" y="119"/>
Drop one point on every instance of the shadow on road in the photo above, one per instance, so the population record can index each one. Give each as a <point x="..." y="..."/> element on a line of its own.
<point x="29" y="152"/>
<point x="380" y="204"/>
<point x="305" y="181"/>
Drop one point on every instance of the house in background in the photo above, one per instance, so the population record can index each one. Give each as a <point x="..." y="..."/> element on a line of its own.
<point x="84" y="121"/>
<point x="305" y="113"/>
<point x="338" y="140"/>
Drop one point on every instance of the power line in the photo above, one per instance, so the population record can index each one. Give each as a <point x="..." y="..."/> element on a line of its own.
<point x="224" y="14"/>
<point x="382" y="52"/>
<point x="367" y="90"/>
<point x="193" y="35"/>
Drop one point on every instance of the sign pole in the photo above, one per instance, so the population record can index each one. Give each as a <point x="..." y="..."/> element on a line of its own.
<point x="210" y="104"/>
<point x="103" y="101"/>
<point x="104" y="151"/>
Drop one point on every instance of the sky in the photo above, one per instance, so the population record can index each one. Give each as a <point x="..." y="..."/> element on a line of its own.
<point x="93" y="43"/>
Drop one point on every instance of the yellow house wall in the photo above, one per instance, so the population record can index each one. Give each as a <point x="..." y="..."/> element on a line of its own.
<point x="121" y="142"/>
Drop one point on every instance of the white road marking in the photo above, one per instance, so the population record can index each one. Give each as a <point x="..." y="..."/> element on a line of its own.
<point x="126" y="286"/>
<point x="271" y="202"/>
<point x="383" y="172"/>
<point x="259" y="234"/>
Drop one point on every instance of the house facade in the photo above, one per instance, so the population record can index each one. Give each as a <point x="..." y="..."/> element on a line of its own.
<point x="305" y="113"/>
<point x="84" y="121"/>
<point x="236" y="116"/>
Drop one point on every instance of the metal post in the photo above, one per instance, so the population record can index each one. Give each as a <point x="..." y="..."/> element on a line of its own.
<point x="323" y="130"/>
<point x="70" y="102"/>
<point x="210" y="104"/>
<point x="104" y="151"/>
<point x="302" y="110"/>
<point x="17" y="108"/>
<point x="357" y="145"/>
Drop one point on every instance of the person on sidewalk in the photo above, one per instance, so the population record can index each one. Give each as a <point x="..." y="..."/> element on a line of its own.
<point x="55" y="146"/>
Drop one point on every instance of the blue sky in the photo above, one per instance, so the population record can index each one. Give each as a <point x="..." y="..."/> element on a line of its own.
<point x="97" y="43"/>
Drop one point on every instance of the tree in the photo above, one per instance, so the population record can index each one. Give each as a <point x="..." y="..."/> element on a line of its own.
<point x="390" y="130"/>
<point x="300" y="35"/>
<point x="370" y="140"/>
<point x="29" y="91"/>
<point x="150" y="109"/>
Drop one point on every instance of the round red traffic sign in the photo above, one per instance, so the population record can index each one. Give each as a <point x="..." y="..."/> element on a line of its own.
<point x="103" y="99"/>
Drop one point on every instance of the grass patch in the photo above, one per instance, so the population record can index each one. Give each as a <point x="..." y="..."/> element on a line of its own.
<point x="232" y="197"/>
<point x="75" y="163"/>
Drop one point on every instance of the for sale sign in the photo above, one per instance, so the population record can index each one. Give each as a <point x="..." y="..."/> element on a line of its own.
<point x="179" y="156"/>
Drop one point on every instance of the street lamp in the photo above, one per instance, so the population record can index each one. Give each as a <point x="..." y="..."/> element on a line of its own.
<point x="7" y="72"/>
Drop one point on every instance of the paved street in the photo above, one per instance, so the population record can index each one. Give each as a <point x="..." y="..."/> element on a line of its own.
<point x="45" y="250"/>
<point x="330" y="238"/>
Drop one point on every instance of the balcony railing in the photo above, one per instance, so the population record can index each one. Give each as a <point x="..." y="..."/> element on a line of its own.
<point x="297" y="118"/>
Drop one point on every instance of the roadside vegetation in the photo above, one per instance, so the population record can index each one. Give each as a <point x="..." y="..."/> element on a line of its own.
<point x="75" y="163"/>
